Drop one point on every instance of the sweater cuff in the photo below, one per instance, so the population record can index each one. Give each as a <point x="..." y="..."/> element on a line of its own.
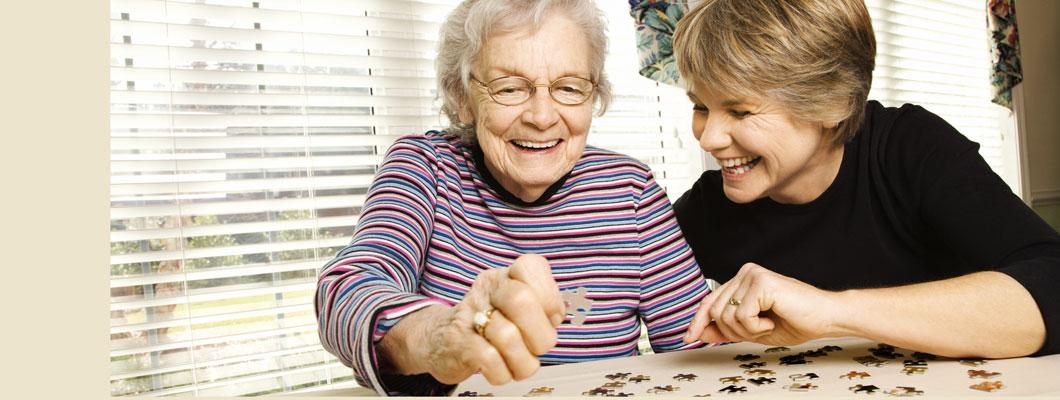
<point x="415" y="385"/>
<point x="385" y="317"/>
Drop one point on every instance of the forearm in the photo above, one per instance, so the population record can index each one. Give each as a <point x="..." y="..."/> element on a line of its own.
<point x="404" y="349"/>
<point x="985" y="314"/>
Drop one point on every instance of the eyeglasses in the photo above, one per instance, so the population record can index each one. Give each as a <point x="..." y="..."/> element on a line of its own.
<point x="516" y="90"/>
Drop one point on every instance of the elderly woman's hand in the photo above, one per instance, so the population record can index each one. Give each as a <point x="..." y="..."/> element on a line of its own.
<point x="528" y="308"/>
<point x="759" y="305"/>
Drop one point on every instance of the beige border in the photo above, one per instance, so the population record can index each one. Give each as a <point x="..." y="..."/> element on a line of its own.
<point x="55" y="158"/>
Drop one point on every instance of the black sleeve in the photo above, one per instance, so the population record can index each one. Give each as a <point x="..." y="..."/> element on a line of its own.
<point x="689" y="210"/>
<point x="978" y="217"/>
<point x="683" y="213"/>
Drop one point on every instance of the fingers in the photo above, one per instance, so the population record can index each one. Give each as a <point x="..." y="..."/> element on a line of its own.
<point x="743" y="319"/>
<point x="520" y="327"/>
<point x="730" y="313"/>
<point x="700" y="320"/>
<point x="518" y="302"/>
<point x="712" y="334"/>
<point x="489" y="361"/>
<point x="456" y="351"/>
<point x="535" y="271"/>
<point x="508" y="340"/>
<point x="718" y="307"/>
<point x="747" y="316"/>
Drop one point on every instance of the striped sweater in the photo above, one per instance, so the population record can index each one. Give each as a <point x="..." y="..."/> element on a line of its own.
<point x="434" y="219"/>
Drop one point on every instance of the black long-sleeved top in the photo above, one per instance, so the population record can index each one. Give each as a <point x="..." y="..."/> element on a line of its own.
<point x="913" y="201"/>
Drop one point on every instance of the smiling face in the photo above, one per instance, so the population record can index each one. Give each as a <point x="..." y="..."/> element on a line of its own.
<point x="530" y="146"/>
<point x="763" y="150"/>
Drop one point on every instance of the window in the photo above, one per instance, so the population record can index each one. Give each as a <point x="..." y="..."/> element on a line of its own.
<point x="244" y="135"/>
<point x="936" y="54"/>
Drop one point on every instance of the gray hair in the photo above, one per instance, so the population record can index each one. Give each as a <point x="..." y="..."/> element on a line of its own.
<point x="473" y="22"/>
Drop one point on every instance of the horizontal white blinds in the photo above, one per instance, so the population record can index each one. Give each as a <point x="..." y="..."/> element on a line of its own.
<point x="244" y="136"/>
<point x="936" y="54"/>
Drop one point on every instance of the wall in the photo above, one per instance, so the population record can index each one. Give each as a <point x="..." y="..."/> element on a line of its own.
<point x="1039" y="29"/>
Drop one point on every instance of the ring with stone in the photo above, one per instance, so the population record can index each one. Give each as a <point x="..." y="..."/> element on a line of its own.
<point x="480" y="320"/>
<point x="733" y="301"/>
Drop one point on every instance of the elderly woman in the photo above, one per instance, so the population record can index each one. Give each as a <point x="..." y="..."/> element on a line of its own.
<point x="832" y="215"/>
<point x="468" y="237"/>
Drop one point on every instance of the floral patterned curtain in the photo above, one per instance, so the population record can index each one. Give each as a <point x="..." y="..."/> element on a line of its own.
<point x="1005" y="47"/>
<point x="656" y="21"/>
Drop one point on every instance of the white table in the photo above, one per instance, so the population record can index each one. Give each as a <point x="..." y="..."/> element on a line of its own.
<point x="943" y="377"/>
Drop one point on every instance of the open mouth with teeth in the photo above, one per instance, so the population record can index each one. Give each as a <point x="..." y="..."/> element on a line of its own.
<point x="535" y="147"/>
<point x="739" y="166"/>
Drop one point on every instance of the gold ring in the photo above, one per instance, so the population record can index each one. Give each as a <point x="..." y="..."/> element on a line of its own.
<point x="733" y="301"/>
<point x="480" y="320"/>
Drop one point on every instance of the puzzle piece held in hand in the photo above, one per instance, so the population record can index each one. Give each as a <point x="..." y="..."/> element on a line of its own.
<point x="578" y="304"/>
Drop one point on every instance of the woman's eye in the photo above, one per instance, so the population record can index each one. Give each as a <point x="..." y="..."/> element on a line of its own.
<point x="740" y="114"/>
<point x="700" y="109"/>
<point x="569" y="89"/>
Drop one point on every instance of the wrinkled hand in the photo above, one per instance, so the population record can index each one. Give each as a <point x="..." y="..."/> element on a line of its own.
<point x="528" y="310"/>
<point x="774" y="310"/>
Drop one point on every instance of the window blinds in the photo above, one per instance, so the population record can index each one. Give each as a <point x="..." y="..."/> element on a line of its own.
<point x="936" y="54"/>
<point x="244" y="136"/>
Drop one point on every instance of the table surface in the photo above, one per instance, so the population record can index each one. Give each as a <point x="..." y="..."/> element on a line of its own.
<point x="943" y="377"/>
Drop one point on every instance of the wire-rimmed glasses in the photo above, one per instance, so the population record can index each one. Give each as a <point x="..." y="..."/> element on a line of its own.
<point x="516" y="90"/>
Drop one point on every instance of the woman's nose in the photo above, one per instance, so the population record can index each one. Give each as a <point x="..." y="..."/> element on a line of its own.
<point x="712" y="132"/>
<point x="541" y="110"/>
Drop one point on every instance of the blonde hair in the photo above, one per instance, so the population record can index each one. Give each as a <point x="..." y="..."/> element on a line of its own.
<point x="813" y="57"/>
<point x="468" y="27"/>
